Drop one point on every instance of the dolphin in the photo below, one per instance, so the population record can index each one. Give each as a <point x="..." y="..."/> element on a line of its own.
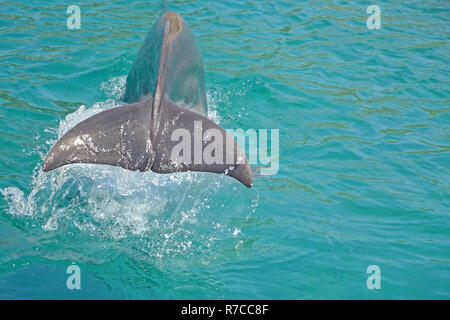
<point x="164" y="95"/>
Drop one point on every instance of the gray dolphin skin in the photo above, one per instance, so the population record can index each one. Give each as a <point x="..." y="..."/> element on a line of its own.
<point x="165" y="94"/>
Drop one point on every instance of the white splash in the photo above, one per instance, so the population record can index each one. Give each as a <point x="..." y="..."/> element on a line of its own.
<point x="114" y="88"/>
<point x="171" y="214"/>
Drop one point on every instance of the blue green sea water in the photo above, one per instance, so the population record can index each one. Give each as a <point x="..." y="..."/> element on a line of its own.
<point x="364" y="155"/>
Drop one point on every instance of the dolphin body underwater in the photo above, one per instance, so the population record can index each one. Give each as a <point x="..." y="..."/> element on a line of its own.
<point x="165" y="91"/>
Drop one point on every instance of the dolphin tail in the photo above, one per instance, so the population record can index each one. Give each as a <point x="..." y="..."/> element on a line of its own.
<point x="135" y="138"/>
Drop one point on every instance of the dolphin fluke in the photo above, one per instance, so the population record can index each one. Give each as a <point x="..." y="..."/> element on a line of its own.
<point x="164" y="128"/>
<point x="124" y="137"/>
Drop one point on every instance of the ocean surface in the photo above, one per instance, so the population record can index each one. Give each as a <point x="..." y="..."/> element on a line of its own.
<point x="364" y="155"/>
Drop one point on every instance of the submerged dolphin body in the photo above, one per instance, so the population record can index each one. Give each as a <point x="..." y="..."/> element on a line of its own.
<point x="165" y="91"/>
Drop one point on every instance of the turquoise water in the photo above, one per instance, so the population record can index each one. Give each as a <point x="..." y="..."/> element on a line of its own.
<point x="363" y="166"/>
